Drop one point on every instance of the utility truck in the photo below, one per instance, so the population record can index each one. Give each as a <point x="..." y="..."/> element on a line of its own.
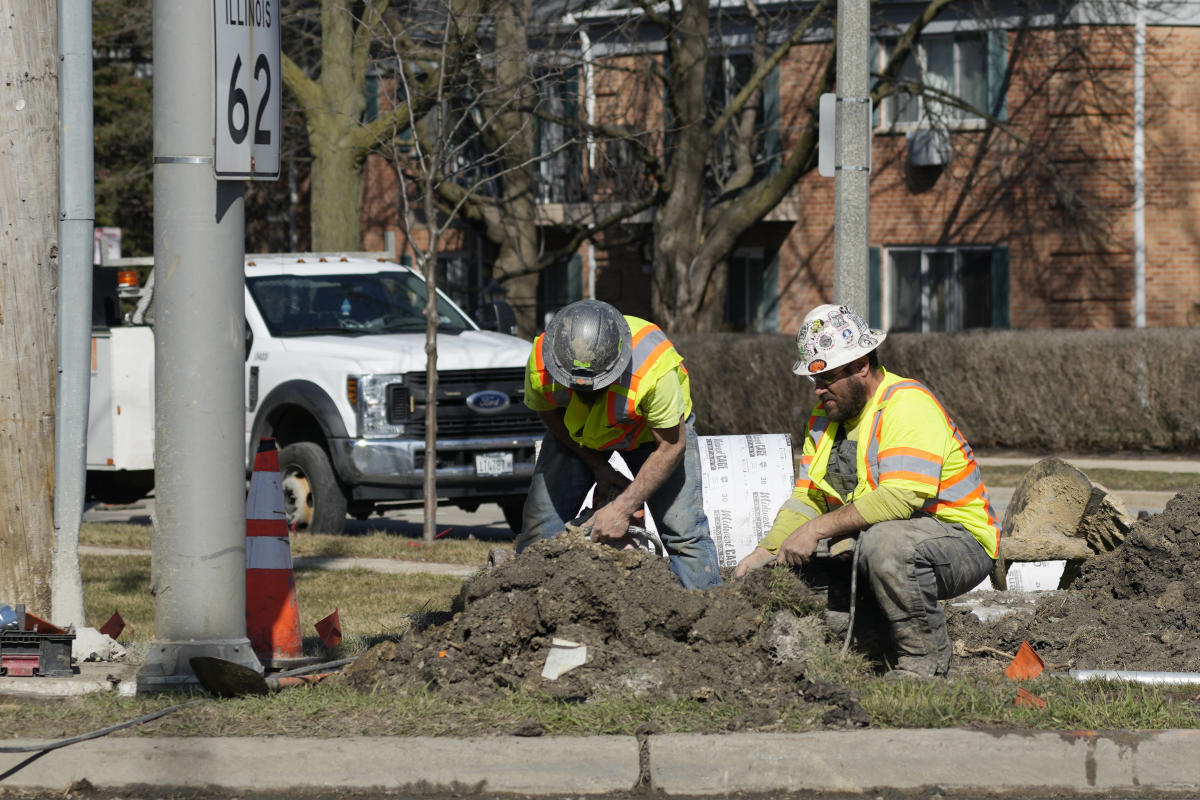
<point x="335" y="373"/>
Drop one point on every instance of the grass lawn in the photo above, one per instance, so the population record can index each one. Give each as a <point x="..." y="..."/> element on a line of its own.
<point x="373" y="606"/>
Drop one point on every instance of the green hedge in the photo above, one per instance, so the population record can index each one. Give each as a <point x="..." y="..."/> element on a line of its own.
<point x="1044" y="390"/>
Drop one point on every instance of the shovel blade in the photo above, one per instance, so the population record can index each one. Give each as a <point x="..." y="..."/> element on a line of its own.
<point x="227" y="679"/>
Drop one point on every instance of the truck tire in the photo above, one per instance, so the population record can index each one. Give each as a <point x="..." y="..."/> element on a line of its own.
<point x="514" y="513"/>
<point x="313" y="501"/>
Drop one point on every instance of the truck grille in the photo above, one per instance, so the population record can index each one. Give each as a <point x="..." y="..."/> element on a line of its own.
<point x="456" y="420"/>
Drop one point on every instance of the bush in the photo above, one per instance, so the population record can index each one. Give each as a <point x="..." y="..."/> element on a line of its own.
<point x="1039" y="390"/>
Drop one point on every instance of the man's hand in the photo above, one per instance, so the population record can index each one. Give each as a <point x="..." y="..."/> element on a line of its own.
<point x="759" y="557"/>
<point x="610" y="523"/>
<point x="799" y="547"/>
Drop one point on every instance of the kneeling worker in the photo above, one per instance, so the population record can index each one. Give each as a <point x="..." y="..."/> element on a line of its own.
<point x="881" y="456"/>
<point x="601" y="381"/>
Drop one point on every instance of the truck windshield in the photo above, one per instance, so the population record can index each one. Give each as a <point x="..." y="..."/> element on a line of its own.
<point x="376" y="302"/>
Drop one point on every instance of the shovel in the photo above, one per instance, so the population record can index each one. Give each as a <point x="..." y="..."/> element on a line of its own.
<point x="229" y="679"/>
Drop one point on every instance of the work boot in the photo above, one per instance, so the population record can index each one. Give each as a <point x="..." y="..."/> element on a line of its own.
<point x="917" y="650"/>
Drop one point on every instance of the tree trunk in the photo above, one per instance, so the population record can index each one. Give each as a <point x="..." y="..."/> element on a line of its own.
<point x="336" y="196"/>
<point x="333" y="109"/>
<point x="28" y="278"/>
<point x="511" y="129"/>
<point x="678" y="285"/>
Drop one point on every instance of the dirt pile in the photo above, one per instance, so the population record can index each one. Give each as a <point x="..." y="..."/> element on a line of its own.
<point x="644" y="635"/>
<point x="1135" y="608"/>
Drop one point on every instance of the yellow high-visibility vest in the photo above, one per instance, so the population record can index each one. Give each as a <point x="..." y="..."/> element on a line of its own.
<point x="613" y="422"/>
<point x="907" y="440"/>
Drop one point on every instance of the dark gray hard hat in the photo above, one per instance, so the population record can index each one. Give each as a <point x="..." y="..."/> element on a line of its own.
<point x="587" y="346"/>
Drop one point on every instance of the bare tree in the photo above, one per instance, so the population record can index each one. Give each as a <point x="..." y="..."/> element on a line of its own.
<point x="329" y="91"/>
<point x="28" y="273"/>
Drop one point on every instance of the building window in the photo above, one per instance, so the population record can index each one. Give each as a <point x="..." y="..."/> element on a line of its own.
<point x="560" y="156"/>
<point x="559" y="285"/>
<point x="725" y="76"/>
<point x="752" y="293"/>
<point x="955" y="64"/>
<point x="931" y="289"/>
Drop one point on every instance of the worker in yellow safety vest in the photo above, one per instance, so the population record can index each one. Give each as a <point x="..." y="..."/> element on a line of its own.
<point x="603" y="382"/>
<point x="882" y="459"/>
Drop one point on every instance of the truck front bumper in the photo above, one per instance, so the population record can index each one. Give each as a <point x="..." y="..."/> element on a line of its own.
<point x="401" y="463"/>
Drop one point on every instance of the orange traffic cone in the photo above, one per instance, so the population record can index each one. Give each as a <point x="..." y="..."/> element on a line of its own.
<point x="272" y="616"/>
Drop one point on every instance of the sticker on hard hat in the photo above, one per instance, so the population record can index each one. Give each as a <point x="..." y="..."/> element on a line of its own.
<point x="816" y="366"/>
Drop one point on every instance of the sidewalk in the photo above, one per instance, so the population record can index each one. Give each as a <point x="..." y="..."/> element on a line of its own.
<point x="1151" y="463"/>
<point x="858" y="761"/>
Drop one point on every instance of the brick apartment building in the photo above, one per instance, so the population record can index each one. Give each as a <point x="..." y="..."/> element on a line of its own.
<point x="1024" y="220"/>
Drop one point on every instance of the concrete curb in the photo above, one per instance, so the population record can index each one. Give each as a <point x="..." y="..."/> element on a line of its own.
<point x="823" y="761"/>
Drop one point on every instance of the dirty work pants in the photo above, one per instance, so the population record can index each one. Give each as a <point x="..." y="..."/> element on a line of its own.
<point x="907" y="566"/>
<point x="561" y="482"/>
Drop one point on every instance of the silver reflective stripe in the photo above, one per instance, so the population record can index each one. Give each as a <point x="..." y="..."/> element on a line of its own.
<point x="960" y="490"/>
<point x="906" y="463"/>
<point x="817" y="428"/>
<point x="795" y="506"/>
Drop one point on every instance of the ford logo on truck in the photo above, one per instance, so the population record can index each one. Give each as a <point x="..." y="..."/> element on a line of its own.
<point x="489" y="401"/>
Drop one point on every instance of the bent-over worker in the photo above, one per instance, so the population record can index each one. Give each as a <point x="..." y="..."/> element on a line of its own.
<point x="882" y="457"/>
<point x="600" y="382"/>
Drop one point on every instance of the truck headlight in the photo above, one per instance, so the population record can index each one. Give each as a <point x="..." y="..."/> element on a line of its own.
<point x="371" y="400"/>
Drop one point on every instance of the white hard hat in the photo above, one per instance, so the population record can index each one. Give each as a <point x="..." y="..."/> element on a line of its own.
<point x="831" y="336"/>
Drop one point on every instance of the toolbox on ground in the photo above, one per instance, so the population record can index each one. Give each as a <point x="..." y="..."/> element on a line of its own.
<point x="35" y="647"/>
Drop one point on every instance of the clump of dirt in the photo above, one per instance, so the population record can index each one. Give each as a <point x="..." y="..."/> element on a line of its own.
<point x="643" y="632"/>
<point x="1134" y="608"/>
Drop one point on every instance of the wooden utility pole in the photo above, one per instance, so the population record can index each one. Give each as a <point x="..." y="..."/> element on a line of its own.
<point x="28" y="282"/>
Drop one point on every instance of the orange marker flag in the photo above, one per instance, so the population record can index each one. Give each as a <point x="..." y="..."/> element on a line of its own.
<point x="1026" y="664"/>
<point x="1028" y="698"/>
<point x="330" y="630"/>
<point x="114" y="626"/>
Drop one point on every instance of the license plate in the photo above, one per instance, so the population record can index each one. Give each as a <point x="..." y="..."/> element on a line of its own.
<point x="493" y="463"/>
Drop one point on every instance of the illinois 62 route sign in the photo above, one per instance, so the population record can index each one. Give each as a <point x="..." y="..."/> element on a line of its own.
<point x="246" y="63"/>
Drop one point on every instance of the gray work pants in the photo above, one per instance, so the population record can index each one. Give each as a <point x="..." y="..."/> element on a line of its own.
<point x="907" y="566"/>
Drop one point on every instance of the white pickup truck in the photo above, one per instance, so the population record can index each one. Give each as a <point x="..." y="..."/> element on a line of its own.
<point x="335" y="373"/>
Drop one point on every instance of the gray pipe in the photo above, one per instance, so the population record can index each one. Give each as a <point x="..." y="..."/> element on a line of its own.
<point x="76" y="220"/>
<point x="1137" y="676"/>
<point x="198" y="549"/>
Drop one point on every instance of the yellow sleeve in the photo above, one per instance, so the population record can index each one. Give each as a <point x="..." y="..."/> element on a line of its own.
<point x="795" y="511"/>
<point x="663" y="403"/>
<point x="888" y="502"/>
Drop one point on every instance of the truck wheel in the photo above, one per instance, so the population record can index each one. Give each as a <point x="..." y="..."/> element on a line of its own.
<point x="514" y="513"/>
<point x="312" y="499"/>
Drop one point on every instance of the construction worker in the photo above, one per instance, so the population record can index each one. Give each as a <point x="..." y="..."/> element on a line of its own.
<point x="604" y="382"/>
<point x="883" y="460"/>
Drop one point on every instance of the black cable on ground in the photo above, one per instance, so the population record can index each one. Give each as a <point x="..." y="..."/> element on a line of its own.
<point x="328" y="665"/>
<point x="853" y="596"/>
<point x="37" y="748"/>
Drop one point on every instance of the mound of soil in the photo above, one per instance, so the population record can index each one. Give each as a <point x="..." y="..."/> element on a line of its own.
<point x="643" y="632"/>
<point x="1135" y="608"/>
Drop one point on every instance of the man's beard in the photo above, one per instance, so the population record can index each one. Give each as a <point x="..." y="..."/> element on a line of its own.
<point x="851" y="404"/>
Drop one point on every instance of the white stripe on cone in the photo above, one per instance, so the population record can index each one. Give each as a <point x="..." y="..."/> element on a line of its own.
<point x="265" y="500"/>
<point x="268" y="552"/>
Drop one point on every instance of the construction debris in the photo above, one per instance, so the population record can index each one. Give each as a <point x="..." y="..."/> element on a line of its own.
<point x="1058" y="513"/>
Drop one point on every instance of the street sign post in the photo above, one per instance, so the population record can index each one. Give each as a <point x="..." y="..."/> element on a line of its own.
<point x="248" y="88"/>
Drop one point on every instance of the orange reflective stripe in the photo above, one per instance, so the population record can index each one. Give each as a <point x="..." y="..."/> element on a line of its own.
<point x="964" y="501"/>
<point x="913" y="452"/>
<point x="544" y="378"/>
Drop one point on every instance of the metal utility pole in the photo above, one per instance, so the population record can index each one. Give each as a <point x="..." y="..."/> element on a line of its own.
<point x="198" y="551"/>
<point x="76" y="219"/>
<point x="852" y="183"/>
